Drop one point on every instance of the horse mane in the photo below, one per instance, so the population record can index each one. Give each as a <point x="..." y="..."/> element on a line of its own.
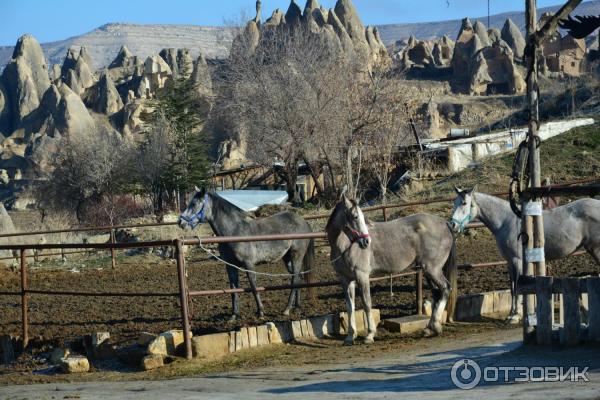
<point x="333" y="215"/>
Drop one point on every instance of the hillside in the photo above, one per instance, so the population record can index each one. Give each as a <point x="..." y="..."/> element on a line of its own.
<point x="104" y="42"/>
<point x="569" y="157"/>
<point x="429" y="30"/>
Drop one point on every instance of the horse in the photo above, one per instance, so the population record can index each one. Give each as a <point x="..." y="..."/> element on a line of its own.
<point x="359" y="250"/>
<point x="566" y="228"/>
<point x="227" y="220"/>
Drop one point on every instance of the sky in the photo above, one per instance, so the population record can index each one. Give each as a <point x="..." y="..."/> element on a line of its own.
<point x="50" y="20"/>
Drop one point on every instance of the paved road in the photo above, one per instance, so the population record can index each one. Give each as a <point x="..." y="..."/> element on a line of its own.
<point x="411" y="373"/>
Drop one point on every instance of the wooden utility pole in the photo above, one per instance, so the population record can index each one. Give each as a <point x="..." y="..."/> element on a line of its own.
<point x="532" y="219"/>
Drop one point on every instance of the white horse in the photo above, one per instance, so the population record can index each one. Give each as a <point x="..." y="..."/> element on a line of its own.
<point x="358" y="251"/>
<point x="567" y="229"/>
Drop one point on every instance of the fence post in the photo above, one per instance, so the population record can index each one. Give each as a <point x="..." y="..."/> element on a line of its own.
<point x="24" y="299"/>
<point x="593" y="287"/>
<point x="544" y="309"/>
<point x="112" y="249"/>
<point x="572" y="315"/>
<point x="419" y="285"/>
<point x="384" y="209"/>
<point x="452" y="274"/>
<point x="183" y="298"/>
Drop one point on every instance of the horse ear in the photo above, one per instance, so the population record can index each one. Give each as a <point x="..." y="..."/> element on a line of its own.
<point x="473" y="190"/>
<point x="343" y="194"/>
<point x="196" y="188"/>
<point x="457" y="189"/>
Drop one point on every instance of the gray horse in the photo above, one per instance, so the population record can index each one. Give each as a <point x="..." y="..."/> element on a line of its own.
<point x="227" y="220"/>
<point x="358" y="251"/>
<point x="567" y="228"/>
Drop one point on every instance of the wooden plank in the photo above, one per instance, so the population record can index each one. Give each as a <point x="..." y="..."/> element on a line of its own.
<point x="593" y="285"/>
<point x="544" y="311"/>
<point x="572" y="315"/>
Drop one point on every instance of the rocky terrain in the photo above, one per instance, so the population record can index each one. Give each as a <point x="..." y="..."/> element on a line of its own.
<point x="144" y="40"/>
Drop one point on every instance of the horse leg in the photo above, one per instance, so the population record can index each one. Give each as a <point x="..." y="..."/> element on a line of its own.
<point x="513" y="271"/>
<point x="349" y="291"/>
<point x="260" y="311"/>
<point x="365" y="293"/>
<point x="291" y="300"/>
<point x="439" y="281"/>
<point x="234" y="283"/>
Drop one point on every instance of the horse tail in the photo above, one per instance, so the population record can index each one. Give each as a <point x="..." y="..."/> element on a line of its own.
<point x="308" y="263"/>
<point x="451" y="272"/>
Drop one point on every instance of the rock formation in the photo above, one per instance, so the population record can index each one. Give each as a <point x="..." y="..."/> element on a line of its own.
<point x="483" y="63"/>
<point x="341" y="27"/>
<point x="104" y="97"/>
<point x="512" y="35"/>
<point x="25" y="80"/>
<point x="179" y="60"/>
<point x="76" y="71"/>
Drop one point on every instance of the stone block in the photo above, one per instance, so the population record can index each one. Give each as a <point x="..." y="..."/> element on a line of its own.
<point x="502" y="301"/>
<point x="100" y="337"/>
<point x="322" y="326"/>
<point x="211" y="346"/>
<point x="262" y="335"/>
<point x="296" y="329"/>
<point x="238" y="341"/>
<point x="232" y="341"/>
<point x="145" y="338"/>
<point x="406" y="325"/>
<point x="132" y="355"/>
<point x="427" y="307"/>
<point x="474" y="305"/>
<point x="152" y="361"/>
<point x="74" y="364"/>
<point x="274" y="332"/>
<point x="341" y="321"/>
<point x="252" y="337"/>
<point x="7" y="351"/>
<point x="245" y="340"/>
<point x="58" y="354"/>
<point x="166" y="343"/>
<point x="307" y="329"/>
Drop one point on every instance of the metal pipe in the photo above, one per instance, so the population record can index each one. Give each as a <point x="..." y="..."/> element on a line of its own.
<point x="112" y="248"/>
<point x="183" y="298"/>
<point x="419" y="294"/>
<point x="24" y="299"/>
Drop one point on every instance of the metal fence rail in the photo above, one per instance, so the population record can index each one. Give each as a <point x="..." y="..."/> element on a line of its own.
<point x="178" y="244"/>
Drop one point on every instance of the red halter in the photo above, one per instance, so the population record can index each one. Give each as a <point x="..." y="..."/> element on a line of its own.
<point x="356" y="235"/>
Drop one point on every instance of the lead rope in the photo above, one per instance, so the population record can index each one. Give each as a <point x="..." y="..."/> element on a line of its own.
<point x="210" y="253"/>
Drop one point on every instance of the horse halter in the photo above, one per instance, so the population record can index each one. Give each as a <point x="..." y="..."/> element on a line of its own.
<point x="462" y="224"/>
<point x="355" y="235"/>
<point x="198" y="218"/>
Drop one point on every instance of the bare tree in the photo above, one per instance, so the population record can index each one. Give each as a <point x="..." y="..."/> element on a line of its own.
<point x="90" y="167"/>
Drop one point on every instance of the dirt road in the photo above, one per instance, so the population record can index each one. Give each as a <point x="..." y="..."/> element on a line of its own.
<point x="419" y="371"/>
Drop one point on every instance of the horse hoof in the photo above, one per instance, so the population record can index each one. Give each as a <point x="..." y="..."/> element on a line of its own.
<point x="233" y="318"/>
<point x="513" y="319"/>
<point x="369" y="340"/>
<point x="286" y="312"/>
<point x="428" y="333"/>
<point x="348" y="342"/>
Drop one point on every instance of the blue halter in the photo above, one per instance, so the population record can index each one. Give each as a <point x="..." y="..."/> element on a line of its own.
<point x="462" y="224"/>
<point x="198" y="217"/>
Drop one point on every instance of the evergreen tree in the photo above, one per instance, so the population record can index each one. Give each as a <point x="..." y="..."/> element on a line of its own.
<point x="179" y="105"/>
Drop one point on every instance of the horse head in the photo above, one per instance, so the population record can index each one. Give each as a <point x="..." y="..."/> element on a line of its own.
<point x="465" y="209"/>
<point x="197" y="210"/>
<point x="355" y="225"/>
